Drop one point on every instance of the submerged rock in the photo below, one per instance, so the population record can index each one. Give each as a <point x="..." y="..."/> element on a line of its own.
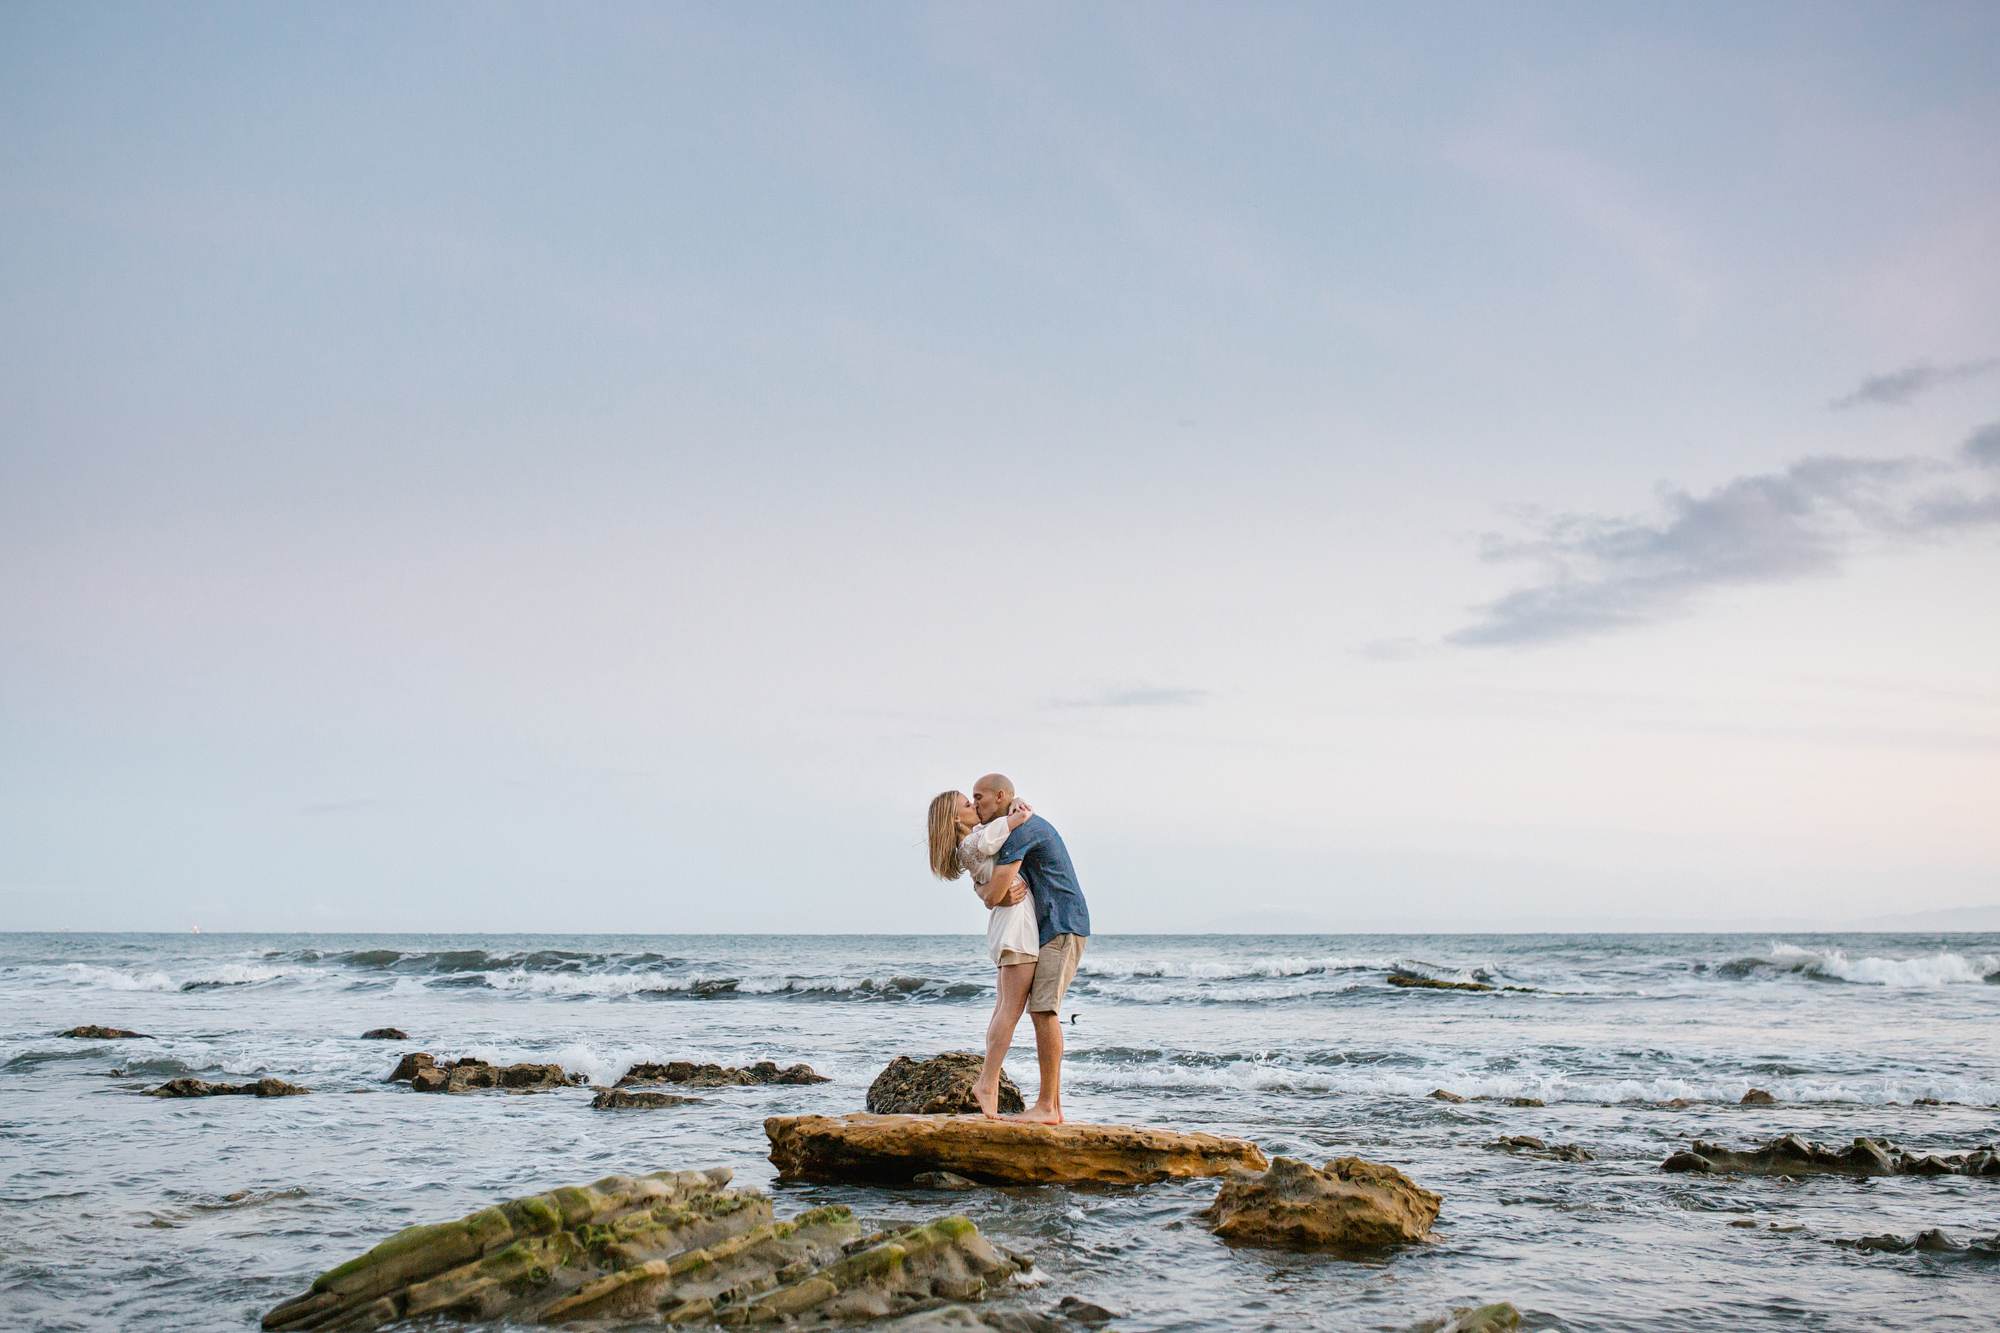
<point x="92" y="1032"/>
<point x="893" y="1149"/>
<point x="632" y="1099"/>
<point x="1351" y="1205"/>
<point x="1432" y="983"/>
<point x="194" y="1087"/>
<point x="942" y="1180"/>
<point x="1499" y="1317"/>
<point x="1758" y="1097"/>
<point x="1439" y="1094"/>
<point x="716" y="1076"/>
<point x="470" y="1075"/>
<point x="675" y="1247"/>
<point x="1561" y="1152"/>
<point x="1794" y="1156"/>
<point x="941" y="1085"/>
<point x="385" y="1034"/>
<point x="407" y="1067"/>
<point x="1934" y="1241"/>
<point x="1069" y="1307"/>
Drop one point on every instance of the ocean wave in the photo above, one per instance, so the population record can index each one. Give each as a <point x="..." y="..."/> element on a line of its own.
<point x="1118" y="968"/>
<point x="1942" y="968"/>
<point x="111" y="978"/>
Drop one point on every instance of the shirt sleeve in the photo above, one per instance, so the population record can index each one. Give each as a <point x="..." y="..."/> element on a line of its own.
<point x="1022" y="841"/>
<point x="989" y="838"/>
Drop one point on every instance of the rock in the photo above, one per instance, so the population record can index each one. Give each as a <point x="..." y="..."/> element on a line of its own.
<point x="385" y="1034"/>
<point x="194" y="1087"/>
<point x="1496" y="1318"/>
<point x="891" y="1149"/>
<point x="627" y="1099"/>
<point x="469" y="1075"/>
<point x="941" y="1085"/>
<point x="1352" y="1204"/>
<point x="407" y="1067"/>
<point x="92" y="1032"/>
<point x="1561" y="1152"/>
<point x="1441" y="1095"/>
<point x="1678" y="1103"/>
<point x="1758" y="1097"/>
<point x="1934" y="1241"/>
<point x="1069" y="1307"/>
<point x="1432" y="983"/>
<point x="716" y="1076"/>
<point x="675" y="1247"/>
<point x="959" y="1319"/>
<point x="942" y="1180"/>
<point x="1525" y="1101"/>
<point x="1794" y="1156"/>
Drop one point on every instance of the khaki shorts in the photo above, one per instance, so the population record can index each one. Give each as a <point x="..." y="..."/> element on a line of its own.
<point x="1054" y="970"/>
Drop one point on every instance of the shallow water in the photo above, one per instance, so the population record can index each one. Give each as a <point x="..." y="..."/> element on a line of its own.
<point x="128" y="1212"/>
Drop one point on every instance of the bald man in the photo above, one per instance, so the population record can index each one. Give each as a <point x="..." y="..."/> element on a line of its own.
<point x="1034" y="855"/>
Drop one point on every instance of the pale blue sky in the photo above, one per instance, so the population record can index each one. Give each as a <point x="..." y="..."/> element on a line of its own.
<point x="606" y="467"/>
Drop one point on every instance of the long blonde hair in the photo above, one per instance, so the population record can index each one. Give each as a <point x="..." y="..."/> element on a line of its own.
<point x="944" y="835"/>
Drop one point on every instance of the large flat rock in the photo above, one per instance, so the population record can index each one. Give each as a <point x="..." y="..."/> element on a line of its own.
<point x="890" y="1149"/>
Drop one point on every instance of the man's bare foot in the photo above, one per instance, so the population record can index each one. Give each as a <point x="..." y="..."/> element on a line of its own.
<point x="1039" y="1115"/>
<point x="988" y="1099"/>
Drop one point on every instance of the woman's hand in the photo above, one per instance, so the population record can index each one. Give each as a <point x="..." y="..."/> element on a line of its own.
<point x="1017" y="813"/>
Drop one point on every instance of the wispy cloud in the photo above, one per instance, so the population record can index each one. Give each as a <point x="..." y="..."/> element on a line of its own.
<point x="1899" y="388"/>
<point x="1602" y="574"/>
<point x="1134" y="696"/>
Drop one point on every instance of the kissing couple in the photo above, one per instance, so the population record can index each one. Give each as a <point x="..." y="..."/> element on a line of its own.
<point x="1036" y="924"/>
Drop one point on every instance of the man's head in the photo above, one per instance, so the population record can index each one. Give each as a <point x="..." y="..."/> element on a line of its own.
<point x="991" y="796"/>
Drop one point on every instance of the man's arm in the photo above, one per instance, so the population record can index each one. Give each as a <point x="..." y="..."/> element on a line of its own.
<point x="1005" y="888"/>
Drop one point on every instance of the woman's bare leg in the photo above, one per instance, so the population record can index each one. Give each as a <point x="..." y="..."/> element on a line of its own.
<point x="1015" y="978"/>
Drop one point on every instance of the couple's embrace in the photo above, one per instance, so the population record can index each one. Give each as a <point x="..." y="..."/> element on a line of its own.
<point x="1036" y="924"/>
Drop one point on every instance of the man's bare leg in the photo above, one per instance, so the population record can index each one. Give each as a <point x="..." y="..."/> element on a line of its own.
<point x="1015" y="978"/>
<point x="1047" y="1109"/>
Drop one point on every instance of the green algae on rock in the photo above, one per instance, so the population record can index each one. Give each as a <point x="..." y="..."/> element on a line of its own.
<point x="676" y="1247"/>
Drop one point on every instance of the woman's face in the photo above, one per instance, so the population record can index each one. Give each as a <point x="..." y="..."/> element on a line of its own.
<point x="966" y="819"/>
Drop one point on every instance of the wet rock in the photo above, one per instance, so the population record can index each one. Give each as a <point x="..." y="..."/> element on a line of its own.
<point x="1934" y="1241"/>
<point x="92" y="1032"/>
<point x="1432" y="983"/>
<point x="1069" y="1307"/>
<point x="471" y="1075"/>
<point x="1794" y="1156"/>
<point x="1351" y="1205"/>
<point x="1441" y="1095"/>
<point x="1499" y="1317"/>
<point x="1526" y="1101"/>
<point x="717" y="1076"/>
<point x="941" y="1085"/>
<point x="675" y="1247"/>
<point x="194" y="1087"/>
<point x="1758" y="1097"/>
<point x="891" y="1149"/>
<point x="960" y="1319"/>
<point x="942" y="1180"/>
<point x="1676" y="1104"/>
<point x="1561" y="1152"/>
<point x="385" y="1034"/>
<point x="633" y="1099"/>
<point x="409" y="1065"/>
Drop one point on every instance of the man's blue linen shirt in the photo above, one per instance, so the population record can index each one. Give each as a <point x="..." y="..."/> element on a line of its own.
<point x="1059" y="905"/>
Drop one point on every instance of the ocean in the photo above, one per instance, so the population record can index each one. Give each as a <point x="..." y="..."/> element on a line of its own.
<point x="127" y="1212"/>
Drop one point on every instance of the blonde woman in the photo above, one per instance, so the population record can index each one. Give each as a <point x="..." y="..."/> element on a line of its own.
<point x="961" y="845"/>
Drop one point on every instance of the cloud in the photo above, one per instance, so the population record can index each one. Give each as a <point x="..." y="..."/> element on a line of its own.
<point x="1603" y="574"/>
<point x="1900" y="387"/>
<point x="1134" y="696"/>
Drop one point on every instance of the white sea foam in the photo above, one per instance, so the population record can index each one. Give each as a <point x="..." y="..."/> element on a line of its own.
<point x="1942" y="968"/>
<point x="109" y="978"/>
<point x="1114" y="966"/>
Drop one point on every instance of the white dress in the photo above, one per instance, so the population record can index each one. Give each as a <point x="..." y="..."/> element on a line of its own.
<point x="1009" y="927"/>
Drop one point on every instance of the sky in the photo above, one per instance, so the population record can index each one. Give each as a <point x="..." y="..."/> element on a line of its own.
<point x="498" y="467"/>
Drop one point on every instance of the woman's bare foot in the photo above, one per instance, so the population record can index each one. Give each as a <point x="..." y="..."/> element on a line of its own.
<point x="988" y="1099"/>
